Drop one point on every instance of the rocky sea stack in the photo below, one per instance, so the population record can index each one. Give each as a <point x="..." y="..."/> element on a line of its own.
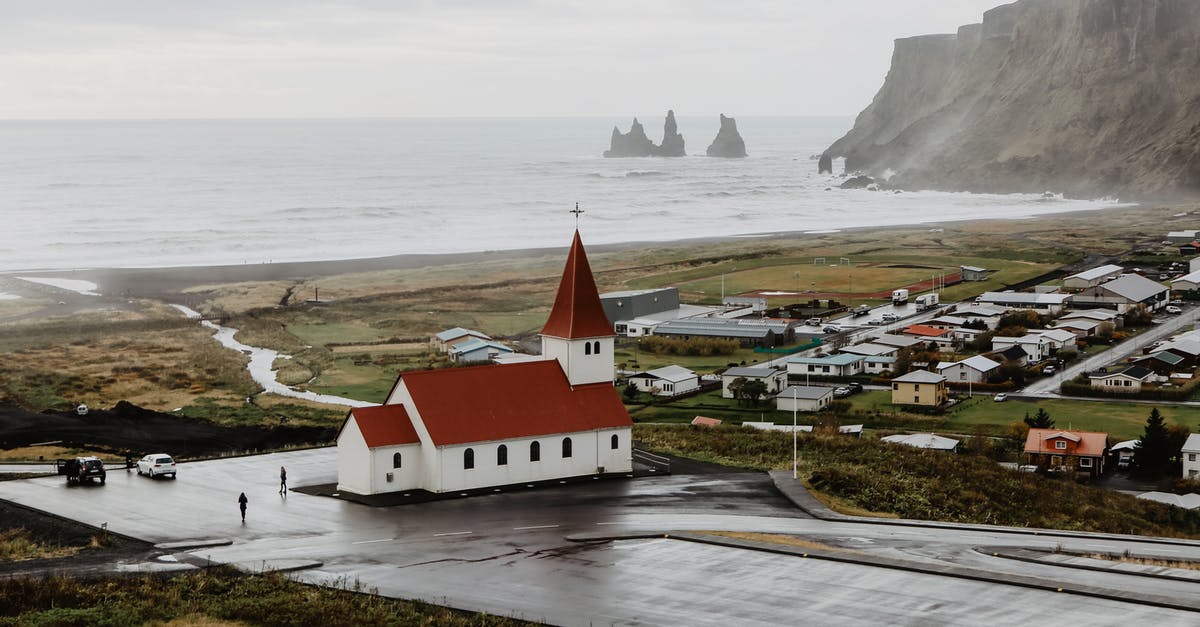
<point x="1087" y="97"/>
<point x="636" y="144"/>
<point x="728" y="143"/>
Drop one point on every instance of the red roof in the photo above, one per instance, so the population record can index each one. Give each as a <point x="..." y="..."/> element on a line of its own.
<point x="499" y="402"/>
<point x="925" y="330"/>
<point x="1087" y="443"/>
<point x="705" y="421"/>
<point x="385" y="425"/>
<point x="577" y="311"/>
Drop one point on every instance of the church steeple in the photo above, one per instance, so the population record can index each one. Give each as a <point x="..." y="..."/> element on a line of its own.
<point x="578" y="333"/>
<point x="577" y="311"/>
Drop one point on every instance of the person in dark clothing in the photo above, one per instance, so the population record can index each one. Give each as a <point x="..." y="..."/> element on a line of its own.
<point x="242" y="500"/>
<point x="282" y="480"/>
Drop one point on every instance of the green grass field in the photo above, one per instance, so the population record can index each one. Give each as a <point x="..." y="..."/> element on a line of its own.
<point x="628" y="355"/>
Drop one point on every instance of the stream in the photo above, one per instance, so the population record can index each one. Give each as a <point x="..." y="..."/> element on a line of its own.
<point x="262" y="362"/>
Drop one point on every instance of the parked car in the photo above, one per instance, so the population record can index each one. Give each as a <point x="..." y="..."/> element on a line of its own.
<point x="1000" y="398"/>
<point x="156" y="465"/>
<point x="1172" y="309"/>
<point x="855" y="387"/>
<point x="1048" y="370"/>
<point x="889" y="317"/>
<point x="813" y="322"/>
<point x="832" y="328"/>
<point x="841" y="392"/>
<point x="874" y="322"/>
<point x="80" y="469"/>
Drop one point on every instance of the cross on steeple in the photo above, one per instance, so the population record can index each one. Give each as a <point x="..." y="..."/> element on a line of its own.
<point x="576" y="211"/>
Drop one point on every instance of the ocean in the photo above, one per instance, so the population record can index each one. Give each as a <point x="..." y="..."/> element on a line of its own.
<point x="87" y="194"/>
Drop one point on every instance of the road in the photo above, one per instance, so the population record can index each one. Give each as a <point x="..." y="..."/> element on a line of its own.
<point x="507" y="554"/>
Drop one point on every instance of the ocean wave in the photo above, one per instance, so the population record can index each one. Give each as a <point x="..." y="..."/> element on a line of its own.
<point x="641" y="173"/>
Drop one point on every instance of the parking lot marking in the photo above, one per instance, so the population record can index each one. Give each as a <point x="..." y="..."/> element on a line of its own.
<point x="534" y="527"/>
<point x="452" y="533"/>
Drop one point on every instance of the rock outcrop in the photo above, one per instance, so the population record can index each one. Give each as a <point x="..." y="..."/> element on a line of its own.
<point x="728" y="143"/>
<point x="1087" y="97"/>
<point x="636" y="144"/>
<point x="825" y="164"/>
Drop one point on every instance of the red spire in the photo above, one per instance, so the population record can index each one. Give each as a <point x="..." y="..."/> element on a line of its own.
<point x="577" y="311"/>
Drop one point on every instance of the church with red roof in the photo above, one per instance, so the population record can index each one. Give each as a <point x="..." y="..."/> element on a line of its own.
<point x="496" y="425"/>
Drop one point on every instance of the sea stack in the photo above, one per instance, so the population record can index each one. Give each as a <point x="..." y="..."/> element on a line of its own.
<point x="672" y="143"/>
<point x="728" y="143"/>
<point x="825" y="164"/>
<point x="636" y="144"/>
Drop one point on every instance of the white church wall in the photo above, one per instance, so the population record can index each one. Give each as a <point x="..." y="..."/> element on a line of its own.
<point x="582" y="364"/>
<point x="354" y="472"/>
<point x="585" y="459"/>
<point x="619" y="459"/>
<point x="406" y="477"/>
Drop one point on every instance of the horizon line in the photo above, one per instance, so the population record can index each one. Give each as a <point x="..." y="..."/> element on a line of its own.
<point x="621" y="116"/>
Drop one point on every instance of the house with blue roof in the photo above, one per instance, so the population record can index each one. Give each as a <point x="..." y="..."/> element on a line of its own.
<point x="840" y="365"/>
<point x="475" y="349"/>
<point x="442" y="342"/>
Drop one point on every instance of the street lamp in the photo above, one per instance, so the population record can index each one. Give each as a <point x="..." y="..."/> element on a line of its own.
<point x="795" y="404"/>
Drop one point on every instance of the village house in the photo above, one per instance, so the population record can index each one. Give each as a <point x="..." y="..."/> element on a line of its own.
<point x="1189" y="282"/>
<point x="775" y="379"/>
<point x="476" y="350"/>
<point x="1081" y="327"/>
<point x="764" y="332"/>
<point x="458" y="429"/>
<point x="1187" y="349"/>
<point x="666" y="381"/>
<point x="1161" y="363"/>
<point x="1091" y="278"/>
<point x="1012" y="354"/>
<point x="870" y="349"/>
<point x="927" y="334"/>
<point x="946" y="323"/>
<point x="1128" y="380"/>
<point x="803" y="398"/>
<point x="1124" y="293"/>
<point x="637" y="313"/>
<point x="1189" y="249"/>
<point x="1041" y="303"/>
<point x="1065" y="450"/>
<point x="919" y="387"/>
<point x="878" y="364"/>
<point x="923" y="440"/>
<point x="442" y="342"/>
<point x="1059" y="338"/>
<point x="1099" y="315"/>
<point x="899" y="341"/>
<point x="989" y="315"/>
<point x="973" y="273"/>
<point x="1036" y="346"/>
<point x="839" y="365"/>
<point x="1182" y="237"/>
<point x="1191" y="457"/>
<point x="975" y="369"/>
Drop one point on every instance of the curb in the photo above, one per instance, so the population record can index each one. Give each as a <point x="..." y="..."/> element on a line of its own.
<point x="1038" y="558"/>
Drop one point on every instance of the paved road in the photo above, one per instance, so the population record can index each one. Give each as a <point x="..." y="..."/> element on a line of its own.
<point x="506" y="553"/>
<point x="1171" y="325"/>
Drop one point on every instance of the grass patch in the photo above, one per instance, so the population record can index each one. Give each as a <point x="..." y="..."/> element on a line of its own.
<point x="17" y="545"/>
<point x="216" y="596"/>
<point x="774" y="538"/>
<point x="926" y="485"/>
<point x="241" y="413"/>
<point x="1143" y="561"/>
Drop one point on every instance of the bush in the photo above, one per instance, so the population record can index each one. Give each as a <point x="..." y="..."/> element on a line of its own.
<point x="697" y="346"/>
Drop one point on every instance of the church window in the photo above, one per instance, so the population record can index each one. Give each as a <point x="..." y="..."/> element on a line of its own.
<point x="535" y="452"/>
<point x="587" y="348"/>
<point x="396" y="460"/>
<point x="596" y="348"/>
<point x="566" y="447"/>
<point x="615" y="442"/>
<point x="469" y="459"/>
<point x="502" y="455"/>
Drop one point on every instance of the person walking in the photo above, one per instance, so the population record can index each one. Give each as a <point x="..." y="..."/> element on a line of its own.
<point x="282" y="480"/>
<point x="242" y="500"/>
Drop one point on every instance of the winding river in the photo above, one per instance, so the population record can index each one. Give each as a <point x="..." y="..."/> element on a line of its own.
<point x="262" y="362"/>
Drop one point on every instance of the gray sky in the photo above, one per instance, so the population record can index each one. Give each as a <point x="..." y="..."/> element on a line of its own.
<point x="301" y="58"/>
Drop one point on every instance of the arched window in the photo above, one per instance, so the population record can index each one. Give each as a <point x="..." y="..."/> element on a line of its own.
<point x="469" y="458"/>
<point x="615" y="441"/>
<point x="587" y="348"/>
<point x="566" y="447"/>
<point x="502" y="455"/>
<point x="396" y="460"/>
<point x="596" y="347"/>
<point x="535" y="451"/>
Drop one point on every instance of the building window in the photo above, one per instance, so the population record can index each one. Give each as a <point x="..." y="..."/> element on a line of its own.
<point x="596" y="347"/>
<point x="1085" y="462"/>
<point x="587" y="348"/>
<point x="566" y="447"/>
<point x="469" y="459"/>
<point x="1191" y="456"/>
<point x="895" y="387"/>
<point x="1060" y="445"/>
<point x="917" y="398"/>
<point x="535" y="452"/>
<point x="396" y="460"/>
<point x="502" y="455"/>
<point x="617" y="441"/>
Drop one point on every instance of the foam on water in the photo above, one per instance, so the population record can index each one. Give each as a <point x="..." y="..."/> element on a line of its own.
<point x="181" y="193"/>
<point x="87" y="288"/>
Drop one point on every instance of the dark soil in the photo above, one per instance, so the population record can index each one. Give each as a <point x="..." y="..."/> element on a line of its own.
<point x="128" y="428"/>
<point x="51" y="531"/>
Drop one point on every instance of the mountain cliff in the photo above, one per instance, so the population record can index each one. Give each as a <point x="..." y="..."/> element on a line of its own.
<point x="1087" y="97"/>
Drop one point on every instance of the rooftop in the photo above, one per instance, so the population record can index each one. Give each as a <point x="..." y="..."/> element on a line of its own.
<point x="840" y="359"/>
<point x="919" y="376"/>
<point x="1024" y="298"/>
<point x="674" y="374"/>
<point x="744" y="371"/>
<point x="923" y="440"/>
<point x="1096" y="273"/>
<point x="806" y="392"/>
<point x="1089" y="443"/>
<point x="577" y="311"/>
<point x="384" y="425"/>
<point x="1134" y="287"/>
<point x="457" y="332"/>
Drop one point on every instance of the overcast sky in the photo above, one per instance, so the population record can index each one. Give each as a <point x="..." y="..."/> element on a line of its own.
<point x="299" y="58"/>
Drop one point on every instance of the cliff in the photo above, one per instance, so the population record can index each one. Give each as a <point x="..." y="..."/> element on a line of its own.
<point x="728" y="143"/>
<point x="1087" y="97"/>
<point x="636" y="144"/>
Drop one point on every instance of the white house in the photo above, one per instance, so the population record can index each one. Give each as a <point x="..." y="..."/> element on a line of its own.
<point x="1034" y="345"/>
<point x="1127" y="380"/>
<point x="803" y="398"/>
<point x="1059" y="338"/>
<point x="840" y="365"/>
<point x="1124" y="293"/>
<point x="898" y="341"/>
<point x="484" y="426"/>
<point x="1191" y="457"/>
<point x="870" y="349"/>
<point x="975" y="369"/>
<point x="1186" y="283"/>
<point x="475" y="349"/>
<point x="666" y="381"/>
<point x="876" y="364"/>
<point x="988" y="314"/>
<point x="923" y="440"/>
<point x="1042" y="303"/>
<point x="1081" y="327"/>
<point x="775" y="379"/>
<point x="1092" y="278"/>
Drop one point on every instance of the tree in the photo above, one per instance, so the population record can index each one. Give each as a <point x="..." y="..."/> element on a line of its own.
<point x="1040" y="420"/>
<point x="753" y="390"/>
<point x="735" y="388"/>
<point x="1152" y="453"/>
<point x="630" y="390"/>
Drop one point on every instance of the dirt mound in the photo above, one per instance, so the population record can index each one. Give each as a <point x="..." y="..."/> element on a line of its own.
<point x="127" y="427"/>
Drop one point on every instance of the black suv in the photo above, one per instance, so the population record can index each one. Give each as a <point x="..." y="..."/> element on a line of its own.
<point x="82" y="469"/>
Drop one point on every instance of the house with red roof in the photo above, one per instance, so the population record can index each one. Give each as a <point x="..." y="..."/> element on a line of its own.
<point x="1066" y="450"/>
<point x="483" y="426"/>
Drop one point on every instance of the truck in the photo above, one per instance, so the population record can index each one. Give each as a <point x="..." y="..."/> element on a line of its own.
<point x="899" y="297"/>
<point x="80" y="469"/>
<point x="860" y="310"/>
<point x="926" y="301"/>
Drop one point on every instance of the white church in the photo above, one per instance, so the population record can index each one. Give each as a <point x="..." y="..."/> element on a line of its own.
<point x="495" y="425"/>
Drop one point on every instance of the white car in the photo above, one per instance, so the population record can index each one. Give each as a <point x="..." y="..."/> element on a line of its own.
<point x="1000" y="398"/>
<point x="1172" y="309"/>
<point x="156" y="465"/>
